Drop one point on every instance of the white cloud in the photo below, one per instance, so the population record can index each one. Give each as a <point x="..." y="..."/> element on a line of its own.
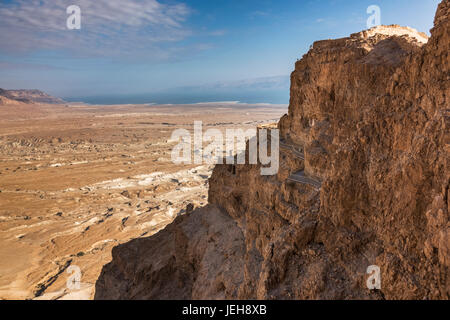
<point x="259" y="14"/>
<point x="257" y="83"/>
<point x="217" y="33"/>
<point x="273" y="82"/>
<point x="108" y="27"/>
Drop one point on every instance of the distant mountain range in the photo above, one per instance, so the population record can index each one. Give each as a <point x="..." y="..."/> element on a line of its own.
<point x="28" y="96"/>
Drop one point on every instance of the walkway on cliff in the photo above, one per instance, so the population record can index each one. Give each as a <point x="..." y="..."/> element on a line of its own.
<point x="300" y="177"/>
<point x="296" y="150"/>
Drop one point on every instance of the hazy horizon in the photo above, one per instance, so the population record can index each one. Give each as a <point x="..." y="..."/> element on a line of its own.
<point x="161" y="99"/>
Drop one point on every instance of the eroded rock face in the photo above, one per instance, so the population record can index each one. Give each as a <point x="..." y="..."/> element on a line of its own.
<point x="364" y="180"/>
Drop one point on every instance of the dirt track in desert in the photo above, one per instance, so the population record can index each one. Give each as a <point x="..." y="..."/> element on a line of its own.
<point x="77" y="180"/>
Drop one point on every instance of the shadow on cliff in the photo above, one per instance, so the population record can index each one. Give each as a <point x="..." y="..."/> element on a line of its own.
<point x="198" y="255"/>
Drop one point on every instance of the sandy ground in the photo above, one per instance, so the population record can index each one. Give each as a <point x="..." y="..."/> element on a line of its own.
<point x="77" y="180"/>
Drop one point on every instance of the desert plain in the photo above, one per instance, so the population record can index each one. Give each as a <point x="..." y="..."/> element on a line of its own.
<point x="77" y="180"/>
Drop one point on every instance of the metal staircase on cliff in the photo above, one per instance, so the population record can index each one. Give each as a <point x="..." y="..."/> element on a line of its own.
<point x="296" y="150"/>
<point x="300" y="177"/>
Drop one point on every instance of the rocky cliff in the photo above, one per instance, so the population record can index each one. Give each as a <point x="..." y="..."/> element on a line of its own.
<point x="363" y="180"/>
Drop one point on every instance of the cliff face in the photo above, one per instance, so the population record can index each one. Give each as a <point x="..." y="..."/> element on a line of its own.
<point x="364" y="180"/>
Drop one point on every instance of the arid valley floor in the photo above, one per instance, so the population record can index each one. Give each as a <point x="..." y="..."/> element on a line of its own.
<point x="77" y="180"/>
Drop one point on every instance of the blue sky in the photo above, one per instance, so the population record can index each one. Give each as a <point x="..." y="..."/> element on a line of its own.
<point x="154" y="49"/>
